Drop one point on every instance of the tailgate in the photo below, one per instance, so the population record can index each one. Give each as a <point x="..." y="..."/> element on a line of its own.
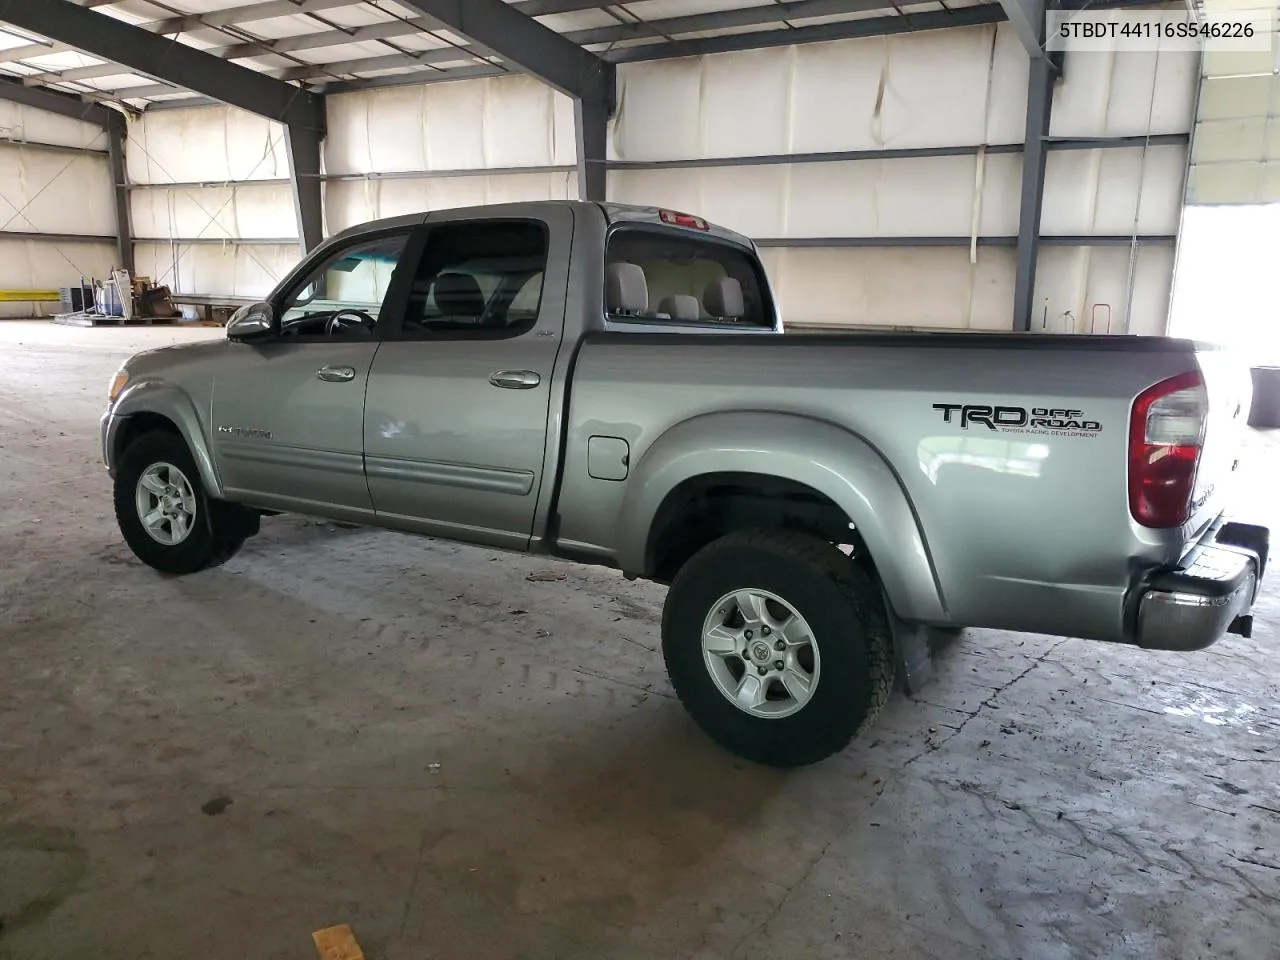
<point x="1230" y="391"/>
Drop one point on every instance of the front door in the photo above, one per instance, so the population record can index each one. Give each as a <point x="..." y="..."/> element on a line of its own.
<point x="288" y="412"/>
<point x="456" y="416"/>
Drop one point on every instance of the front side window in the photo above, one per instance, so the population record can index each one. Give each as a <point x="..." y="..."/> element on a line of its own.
<point x="344" y="295"/>
<point x="667" y="277"/>
<point x="481" y="279"/>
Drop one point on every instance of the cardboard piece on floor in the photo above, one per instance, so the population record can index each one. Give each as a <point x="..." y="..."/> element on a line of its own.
<point x="337" y="943"/>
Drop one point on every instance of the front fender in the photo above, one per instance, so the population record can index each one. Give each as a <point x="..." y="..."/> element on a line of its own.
<point x="834" y="462"/>
<point x="154" y="396"/>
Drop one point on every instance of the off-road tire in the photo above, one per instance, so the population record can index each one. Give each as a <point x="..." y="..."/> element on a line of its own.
<point x="843" y="606"/>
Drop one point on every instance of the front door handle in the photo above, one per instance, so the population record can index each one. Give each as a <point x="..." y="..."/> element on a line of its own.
<point x="515" y="379"/>
<point x="336" y="374"/>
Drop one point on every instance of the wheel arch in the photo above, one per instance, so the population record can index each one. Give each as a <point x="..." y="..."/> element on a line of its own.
<point x="822" y="473"/>
<point x="157" y="405"/>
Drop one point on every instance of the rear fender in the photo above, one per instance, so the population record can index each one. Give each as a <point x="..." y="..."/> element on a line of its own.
<point x="175" y="404"/>
<point x="841" y="466"/>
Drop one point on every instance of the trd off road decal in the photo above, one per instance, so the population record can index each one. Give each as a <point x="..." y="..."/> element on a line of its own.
<point x="1050" y="421"/>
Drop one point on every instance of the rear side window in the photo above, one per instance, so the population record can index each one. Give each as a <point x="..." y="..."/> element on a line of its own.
<point x="480" y="279"/>
<point x="661" y="276"/>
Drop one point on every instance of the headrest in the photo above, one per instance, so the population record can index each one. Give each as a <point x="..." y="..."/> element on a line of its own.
<point x="723" y="298"/>
<point x="459" y="295"/>
<point x="625" y="289"/>
<point x="680" y="307"/>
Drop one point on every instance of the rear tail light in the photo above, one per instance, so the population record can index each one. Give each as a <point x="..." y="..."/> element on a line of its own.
<point x="683" y="219"/>
<point x="1166" y="434"/>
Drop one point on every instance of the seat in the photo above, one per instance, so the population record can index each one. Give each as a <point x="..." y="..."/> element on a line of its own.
<point x="723" y="299"/>
<point x="459" y="295"/>
<point x="626" y="290"/>
<point x="680" y="307"/>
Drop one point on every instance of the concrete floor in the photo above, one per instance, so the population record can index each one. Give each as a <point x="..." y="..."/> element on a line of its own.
<point x="463" y="759"/>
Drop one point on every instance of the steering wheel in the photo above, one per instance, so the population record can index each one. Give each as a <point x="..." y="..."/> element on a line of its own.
<point x="348" y="317"/>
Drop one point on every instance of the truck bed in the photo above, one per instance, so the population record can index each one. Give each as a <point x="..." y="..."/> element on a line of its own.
<point x="990" y="436"/>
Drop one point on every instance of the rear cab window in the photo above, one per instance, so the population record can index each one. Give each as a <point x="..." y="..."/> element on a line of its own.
<point x="668" y="277"/>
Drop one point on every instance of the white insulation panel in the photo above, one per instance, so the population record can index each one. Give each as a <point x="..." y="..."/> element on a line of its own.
<point x="1098" y="192"/>
<point x="468" y="125"/>
<point x="855" y="198"/>
<point x="203" y="144"/>
<point x="48" y="265"/>
<point x="247" y="270"/>
<point x="1086" y="192"/>
<point x="26" y="123"/>
<point x="48" y="191"/>
<point x="246" y="211"/>
<point x="929" y="89"/>
<point x="1112" y="94"/>
<point x="936" y="88"/>
<point x="349" y="202"/>
<point x="939" y="288"/>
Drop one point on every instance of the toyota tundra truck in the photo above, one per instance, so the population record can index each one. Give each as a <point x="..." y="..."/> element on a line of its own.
<point x="611" y="385"/>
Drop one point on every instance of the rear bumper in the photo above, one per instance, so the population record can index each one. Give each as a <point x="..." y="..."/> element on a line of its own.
<point x="1208" y="595"/>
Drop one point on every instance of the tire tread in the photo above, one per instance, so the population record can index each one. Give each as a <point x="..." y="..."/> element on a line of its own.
<point x="857" y="589"/>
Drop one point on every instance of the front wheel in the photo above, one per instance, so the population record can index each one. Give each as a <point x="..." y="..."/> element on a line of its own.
<point x="777" y="645"/>
<point x="167" y="518"/>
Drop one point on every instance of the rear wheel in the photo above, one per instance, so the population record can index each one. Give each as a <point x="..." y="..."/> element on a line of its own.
<point x="167" y="518"/>
<point x="777" y="645"/>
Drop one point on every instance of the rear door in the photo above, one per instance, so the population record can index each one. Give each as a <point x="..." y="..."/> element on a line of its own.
<point x="457" y="409"/>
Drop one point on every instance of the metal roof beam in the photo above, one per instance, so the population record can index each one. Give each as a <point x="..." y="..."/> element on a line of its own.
<point x="62" y="104"/>
<point x="777" y="12"/>
<point x="204" y="26"/>
<point x="166" y="60"/>
<point x="522" y="41"/>
<point x="331" y="86"/>
<point x="416" y="78"/>
<point x="818" y="33"/>
<point x="208" y="26"/>
<point x="656" y="29"/>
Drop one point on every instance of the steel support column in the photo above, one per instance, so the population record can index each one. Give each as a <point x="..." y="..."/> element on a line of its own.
<point x="1027" y="19"/>
<point x="1035" y="152"/>
<point x="305" y="179"/>
<point x="117" y="133"/>
<point x="591" y="122"/>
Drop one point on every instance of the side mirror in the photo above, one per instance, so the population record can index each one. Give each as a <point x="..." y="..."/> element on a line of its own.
<point x="252" y="321"/>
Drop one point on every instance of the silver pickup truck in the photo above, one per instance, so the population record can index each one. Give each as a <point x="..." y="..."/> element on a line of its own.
<point x="610" y="384"/>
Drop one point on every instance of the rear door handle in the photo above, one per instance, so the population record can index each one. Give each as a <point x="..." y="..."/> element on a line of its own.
<point x="515" y="379"/>
<point x="336" y="374"/>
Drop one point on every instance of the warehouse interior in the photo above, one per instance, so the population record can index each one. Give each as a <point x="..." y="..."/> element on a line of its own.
<point x="443" y="750"/>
